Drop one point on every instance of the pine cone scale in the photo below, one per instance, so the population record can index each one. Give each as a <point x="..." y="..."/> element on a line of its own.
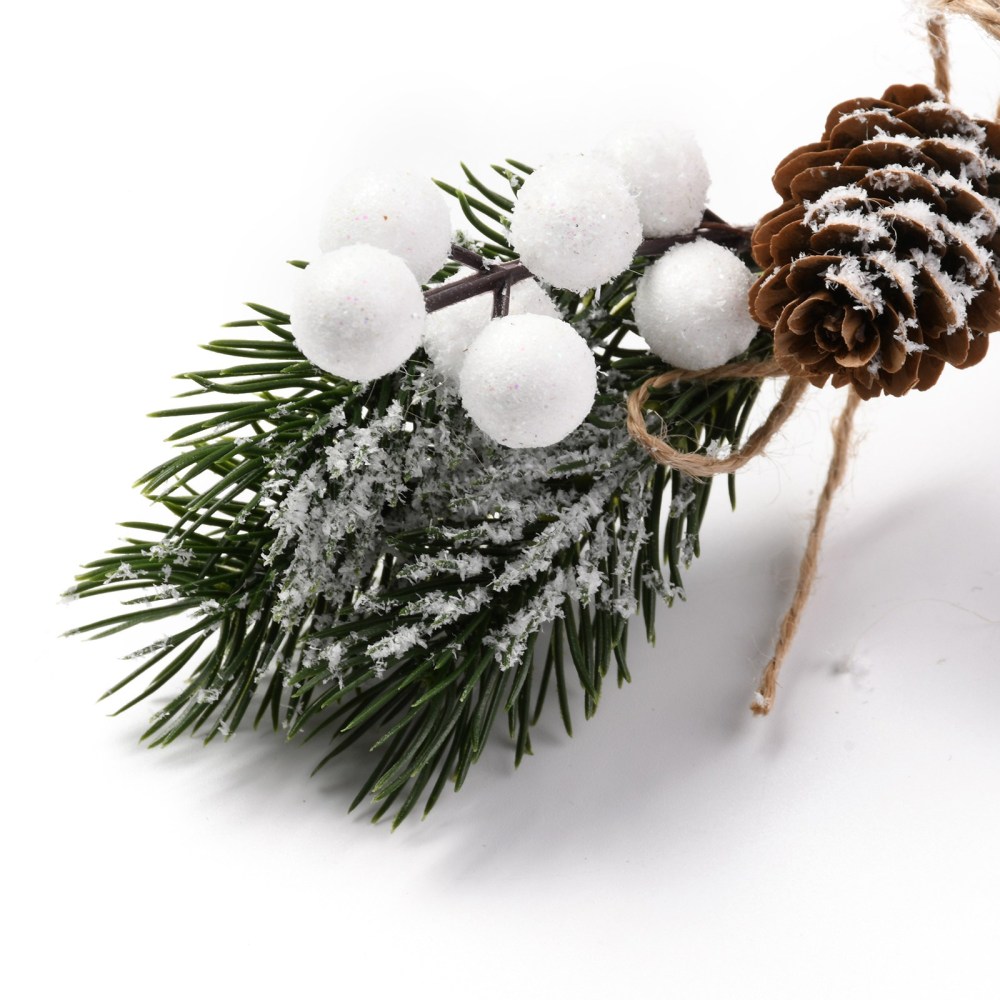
<point x="792" y="167"/>
<point x="813" y="182"/>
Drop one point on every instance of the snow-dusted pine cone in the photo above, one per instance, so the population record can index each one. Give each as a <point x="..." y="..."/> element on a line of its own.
<point x="880" y="265"/>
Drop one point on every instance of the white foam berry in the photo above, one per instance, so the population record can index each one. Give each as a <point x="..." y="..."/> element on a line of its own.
<point x="691" y="306"/>
<point x="665" y="169"/>
<point x="528" y="380"/>
<point x="575" y="224"/>
<point x="358" y="312"/>
<point x="400" y="212"/>
<point x="451" y="330"/>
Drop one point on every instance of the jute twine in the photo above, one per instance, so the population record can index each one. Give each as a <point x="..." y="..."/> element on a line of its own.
<point x="986" y="13"/>
<point x="937" y="41"/>
<point x="701" y="466"/>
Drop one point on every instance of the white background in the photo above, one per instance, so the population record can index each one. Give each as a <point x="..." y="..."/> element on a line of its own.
<point x="160" y="163"/>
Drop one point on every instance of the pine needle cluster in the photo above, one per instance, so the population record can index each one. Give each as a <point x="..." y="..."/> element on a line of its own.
<point x="360" y="563"/>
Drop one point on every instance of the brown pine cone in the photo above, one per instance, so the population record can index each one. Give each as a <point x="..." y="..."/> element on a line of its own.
<point x="881" y="263"/>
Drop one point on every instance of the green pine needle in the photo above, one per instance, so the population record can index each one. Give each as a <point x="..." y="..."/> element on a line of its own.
<point x="213" y="564"/>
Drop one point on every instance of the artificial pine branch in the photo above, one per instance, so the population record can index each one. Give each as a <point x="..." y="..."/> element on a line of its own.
<point x="360" y="562"/>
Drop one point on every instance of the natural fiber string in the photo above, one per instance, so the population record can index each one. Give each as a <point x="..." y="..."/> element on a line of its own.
<point x="937" y="41"/>
<point x="985" y="13"/>
<point x="701" y="466"/>
<point x="764" y="697"/>
<point x="705" y="465"/>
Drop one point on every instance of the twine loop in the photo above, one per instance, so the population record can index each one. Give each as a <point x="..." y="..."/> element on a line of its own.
<point x="986" y="13"/>
<point x="700" y="466"/>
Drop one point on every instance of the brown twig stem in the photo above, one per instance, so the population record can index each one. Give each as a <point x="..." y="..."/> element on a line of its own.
<point x="493" y="277"/>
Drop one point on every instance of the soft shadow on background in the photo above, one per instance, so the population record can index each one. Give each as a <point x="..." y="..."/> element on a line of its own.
<point x="161" y="169"/>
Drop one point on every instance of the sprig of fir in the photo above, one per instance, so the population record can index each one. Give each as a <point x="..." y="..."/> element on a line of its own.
<point x="359" y="562"/>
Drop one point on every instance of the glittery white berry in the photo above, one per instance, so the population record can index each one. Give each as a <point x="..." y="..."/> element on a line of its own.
<point x="528" y="381"/>
<point x="666" y="170"/>
<point x="400" y="212"/>
<point x="451" y="330"/>
<point x="358" y="312"/>
<point x="575" y="224"/>
<point x="691" y="306"/>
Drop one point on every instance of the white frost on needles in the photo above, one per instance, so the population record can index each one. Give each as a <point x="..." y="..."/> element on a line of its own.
<point x="576" y="224"/>
<point x="123" y="572"/>
<point x="360" y="490"/>
<point x="394" y="645"/>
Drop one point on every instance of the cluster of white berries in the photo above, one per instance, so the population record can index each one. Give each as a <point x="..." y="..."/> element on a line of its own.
<point x="527" y="379"/>
<point x="359" y="312"/>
